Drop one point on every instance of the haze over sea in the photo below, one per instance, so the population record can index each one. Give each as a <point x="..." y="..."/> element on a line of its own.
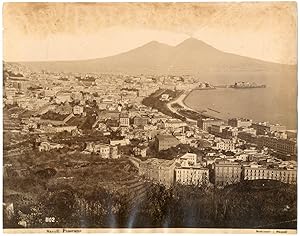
<point x="276" y="105"/>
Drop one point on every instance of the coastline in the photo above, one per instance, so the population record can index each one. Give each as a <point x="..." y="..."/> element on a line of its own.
<point x="180" y="101"/>
<point x="211" y="112"/>
<point x="204" y="112"/>
<point x="185" y="97"/>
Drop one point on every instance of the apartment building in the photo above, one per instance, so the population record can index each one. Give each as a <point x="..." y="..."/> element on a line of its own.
<point x="104" y="150"/>
<point x="280" y="145"/>
<point x="265" y="127"/>
<point x="206" y="123"/>
<point x="239" y="122"/>
<point x="254" y="172"/>
<point x="164" y="142"/>
<point x="193" y="175"/>
<point x="124" y="120"/>
<point x="226" y="172"/>
<point x="158" y="170"/>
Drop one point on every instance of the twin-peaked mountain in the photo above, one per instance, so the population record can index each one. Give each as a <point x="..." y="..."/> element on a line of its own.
<point x="192" y="57"/>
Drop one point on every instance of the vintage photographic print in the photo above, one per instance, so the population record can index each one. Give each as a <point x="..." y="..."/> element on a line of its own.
<point x="157" y="117"/>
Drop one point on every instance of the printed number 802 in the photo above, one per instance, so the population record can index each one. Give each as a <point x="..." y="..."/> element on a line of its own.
<point x="50" y="219"/>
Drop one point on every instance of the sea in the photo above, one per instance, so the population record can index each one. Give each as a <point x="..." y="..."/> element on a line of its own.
<point x="277" y="105"/>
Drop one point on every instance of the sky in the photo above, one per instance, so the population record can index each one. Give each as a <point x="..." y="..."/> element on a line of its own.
<point x="73" y="31"/>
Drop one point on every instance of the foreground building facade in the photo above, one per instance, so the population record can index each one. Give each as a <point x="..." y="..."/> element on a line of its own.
<point x="288" y="176"/>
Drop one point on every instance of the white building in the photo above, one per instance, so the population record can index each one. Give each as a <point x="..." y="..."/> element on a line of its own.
<point x="188" y="159"/>
<point x="195" y="175"/>
<point x="62" y="97"/>
<point x="104" y="150"/>
<point x="189" y="172"/>
<point x="121" y="142"/>
<point x="174" y="123"/>
<point x="46" y="146"/>
<point x="285" y="175"/>
<point x="164" y="97"/>
<point x="124" y="120"/>
<point x="77" y="110"/>
<point x="226" y="145"/>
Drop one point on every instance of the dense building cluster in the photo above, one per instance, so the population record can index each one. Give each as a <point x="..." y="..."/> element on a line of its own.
<point x="227" y="151"/>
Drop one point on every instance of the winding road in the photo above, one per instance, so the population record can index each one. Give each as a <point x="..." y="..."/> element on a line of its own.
<point x="179" y="100"/>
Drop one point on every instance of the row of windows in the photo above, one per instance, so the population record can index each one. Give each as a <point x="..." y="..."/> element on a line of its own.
<point x="267" y="174"/>
<point x="281" y="146"/>
<point x="269" y="171"/>
<point x="272" y="177"/>
<point x="191" y="174"/>
<point x="228" y="171"/>
<point x="285" y="180"/>
<point x="190" y="181"/>
<point x="228" y="167"/>
<point x="229" y="175"/>
<point x="189" y="171"/>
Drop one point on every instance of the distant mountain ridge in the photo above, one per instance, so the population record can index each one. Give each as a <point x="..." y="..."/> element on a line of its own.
<point x="191" y="56"/>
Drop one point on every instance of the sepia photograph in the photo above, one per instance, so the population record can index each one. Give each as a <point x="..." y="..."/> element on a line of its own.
<point x="149" y="117"/>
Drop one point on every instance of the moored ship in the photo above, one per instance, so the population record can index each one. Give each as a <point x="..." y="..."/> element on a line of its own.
<point x="246" y="85"/>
